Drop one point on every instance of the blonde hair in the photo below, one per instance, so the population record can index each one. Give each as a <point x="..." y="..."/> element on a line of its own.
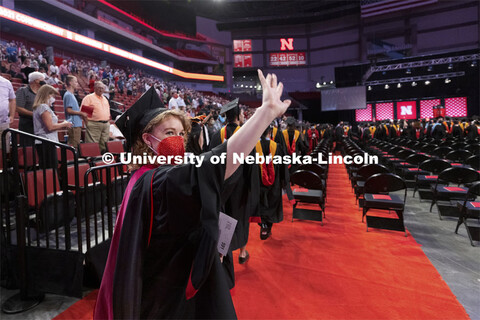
<point x="43" y="95"/>
<point x="140" y="147"/>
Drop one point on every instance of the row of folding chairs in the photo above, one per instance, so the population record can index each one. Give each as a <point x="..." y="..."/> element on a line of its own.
<point x="449" y="184"/>
<point x="373" y="185"/>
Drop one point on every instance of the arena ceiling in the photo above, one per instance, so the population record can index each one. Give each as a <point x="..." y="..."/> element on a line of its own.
<point x="233" y="14"/>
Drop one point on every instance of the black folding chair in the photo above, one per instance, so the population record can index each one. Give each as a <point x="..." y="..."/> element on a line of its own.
<point x="363" y="174"/>
<point x="474" y="148"/>
<point x="441" y="152"/>
<point x="458" y="156"/>
<point x="409" y="168"/>
<point x="378" y="196"/>
<point x="315" y="194"/>
<point x="433" y="167"/>
<point x="428" y="148"/>
<point x="444" y="191"/>
<point x="470" y="209"/>
<point x="460" y="146"/>
<point x="473" y="161"/>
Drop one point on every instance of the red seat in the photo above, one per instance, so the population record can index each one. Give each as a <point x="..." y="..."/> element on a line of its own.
<point x="102" y="174"/>
<point x="82" y="169"/>
<point x="36" y="184"/>
<point x="88" y="150"/>
<point x="46" y="201"/>
<point x="70" y="158"/>
<point x="115" y="146"/>
<point x="28" y="155"/>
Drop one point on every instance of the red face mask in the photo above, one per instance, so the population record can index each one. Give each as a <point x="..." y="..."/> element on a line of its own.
<point x="170" y="146"/>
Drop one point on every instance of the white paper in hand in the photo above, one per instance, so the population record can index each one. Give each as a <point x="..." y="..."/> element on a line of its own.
<point x="226" y="226"/>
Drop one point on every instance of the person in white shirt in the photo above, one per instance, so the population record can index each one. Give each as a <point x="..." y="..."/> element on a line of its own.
<point x="115" y="133"/>
<point x="173" y="103"/>
<point x="53" y="68"/>
<point x="54" y="81"/>
<point x="7" y="108"/>
<point x="180" y="101"/>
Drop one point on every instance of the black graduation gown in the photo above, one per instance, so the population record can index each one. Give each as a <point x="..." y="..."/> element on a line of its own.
<point x="392" y="131"/>
<point x="365" y="136"/>
<point x="338" y="133"/>
<point x="413" y="134"/>
<point x="165" y="248"/>
<point x="240" y="194"/>
<point x="280" y="140"/>
<point x="457" y="131"/>
<point x="300" y="146"/>
<point x="471" y="132"/>
<point x="429" y="130"/>
<point x="439" y="132"/>
<point x="271" y="203"/>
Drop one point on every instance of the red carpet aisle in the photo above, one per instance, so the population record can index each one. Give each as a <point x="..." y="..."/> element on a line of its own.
<point x="334" y="271"/>
<point x="338" y="270"/>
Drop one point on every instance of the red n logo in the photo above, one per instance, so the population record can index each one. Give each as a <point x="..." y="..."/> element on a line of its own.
<point x="286" y="44"/>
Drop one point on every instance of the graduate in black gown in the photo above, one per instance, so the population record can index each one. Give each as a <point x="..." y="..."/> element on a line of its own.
<point x="274" y="178"/>
<point x="293" y="141"/>
<point x="163" y="261"/>
<point x="240" y="193"/>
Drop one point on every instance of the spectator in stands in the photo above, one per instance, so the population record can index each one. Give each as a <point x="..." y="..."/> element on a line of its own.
<point x="46" y="126"/>
<point x="120" y="84"/>
<point x="12" y="52"/>
<point x="43" y="64"/>
<point x="53" y="68"/>
<point x="181" y="101"/>
<point x="129" y="87"/>
<point x="26" y="68"/>
<point x="98" y="110"/>
<point x="35" y="65"/>
<point x="173" y="102"/>
<point x="7" y="108"/>
<point x="63" y="70"/>
<point x="91" y="81"/>
<point x="23" y="54"/>
<point x="13" y="71"/>
<point x="115" y="133"/>
<point x="24" y="100"/>
<point x="109" y="92"/>
<point x="72" y="66"/>
<point x="54" y="81"/>
<point x="72" y="111"/>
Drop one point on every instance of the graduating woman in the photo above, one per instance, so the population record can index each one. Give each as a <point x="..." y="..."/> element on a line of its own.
<point x="163" y="260"/>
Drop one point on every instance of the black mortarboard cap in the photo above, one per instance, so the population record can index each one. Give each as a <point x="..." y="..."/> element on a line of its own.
<point x="229" y="106"/>
<point x="290" y="121"/>
<point x="132" y="122"/>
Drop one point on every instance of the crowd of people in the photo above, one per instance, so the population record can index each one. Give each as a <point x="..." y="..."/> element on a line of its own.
<point x="34" y="68"/>
<point x="439" y="128"/>
<point x="163" y="260"/>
